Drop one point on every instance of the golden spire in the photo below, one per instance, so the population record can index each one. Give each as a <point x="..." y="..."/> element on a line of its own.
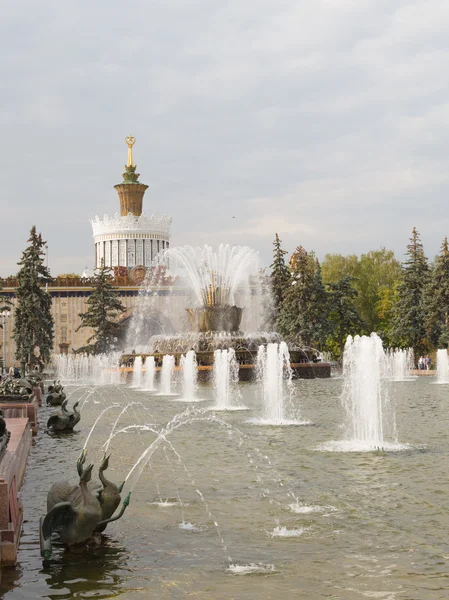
<point x="130" y="141"/>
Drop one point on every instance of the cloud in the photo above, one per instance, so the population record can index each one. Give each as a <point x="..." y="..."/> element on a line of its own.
<point x="325" y="120"/>
<point x="266" y="224"/>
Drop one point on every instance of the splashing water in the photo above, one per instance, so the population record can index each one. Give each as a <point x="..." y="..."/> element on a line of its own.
<point x="284" y="532"/>
<point x="114" y="427"/>
<point x="398" y="364"/>
<point x="302" y="509"/>
<point x="229" y="266"/>
<point x="274" y="375"/>
<point x="187" y="526"/>
<point x="97" y="420"/>
<point x="442" y="366"/>
<point x="189" y="376"/>
<point x="168" y="366"/>
<point x="137" y="373"/>
<point x="150" y="369"/>
<point x="273" y="363"/>
<point x="366" y="398"/>
<point x="102" y="369"/>
<point x="251" y="569"/>
<point x="226" y="375"/>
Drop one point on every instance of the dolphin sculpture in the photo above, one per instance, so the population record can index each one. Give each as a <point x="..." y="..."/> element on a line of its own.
<point x="74" y="519"/>
<point x="109" y="496"/>
<point x="77" y="516"/>
<point x="64" y="420"/>
<point x="56" y="394"/>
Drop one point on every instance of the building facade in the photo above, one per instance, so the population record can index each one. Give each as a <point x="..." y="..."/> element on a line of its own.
<point x="69" y="299"/>
<point x="127" y="242"/>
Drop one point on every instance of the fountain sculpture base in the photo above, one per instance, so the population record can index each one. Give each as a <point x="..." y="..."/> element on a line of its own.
<point x="215" y="318"/>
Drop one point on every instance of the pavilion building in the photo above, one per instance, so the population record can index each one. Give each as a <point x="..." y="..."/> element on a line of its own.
<point x="130" y="238"/>
<point x="127" y="242"/>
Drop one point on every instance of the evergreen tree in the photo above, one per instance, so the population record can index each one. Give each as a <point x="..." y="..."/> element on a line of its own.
<point x="33" y="329"/>
<point x="343" y="316"/>
<point x="280" y="278"/>
<point x="103" y="308"/>
<point x="437" y="299"/>
<point x="303" y="313"/>
<point x="409" y="311"/>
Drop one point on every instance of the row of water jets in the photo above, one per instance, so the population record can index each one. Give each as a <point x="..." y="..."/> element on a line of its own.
<point x="367" y="371"/>
<point x="273" y="372"/>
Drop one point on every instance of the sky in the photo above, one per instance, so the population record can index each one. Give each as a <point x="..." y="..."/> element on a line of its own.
<point x="326" y="121"/>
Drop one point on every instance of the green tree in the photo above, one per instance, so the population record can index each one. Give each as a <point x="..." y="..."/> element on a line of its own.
<point x="303" y="313"/>
<point x="371" y="274"/>
<point x="103" y="310"/>
<point x="385" y="307"/>
<point x="279" y="277"/>
<point x="336" y="266"/>
<point x="378" y="270"/>
<point x="410" y="310"/>
<point x="33" y="329"/>
<point x="436" y="299"/>
<point x="343" y="316"/>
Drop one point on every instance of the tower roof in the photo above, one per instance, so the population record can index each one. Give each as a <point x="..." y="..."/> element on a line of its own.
<point x="130" y="190"/>
<point x="130" y="175"/>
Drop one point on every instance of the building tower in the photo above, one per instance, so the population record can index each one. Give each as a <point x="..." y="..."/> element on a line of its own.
<point x="130" y="239"/>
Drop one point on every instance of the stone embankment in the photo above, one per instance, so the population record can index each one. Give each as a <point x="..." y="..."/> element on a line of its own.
<point x="12" y="471"/>
<point x="21" y="420"/>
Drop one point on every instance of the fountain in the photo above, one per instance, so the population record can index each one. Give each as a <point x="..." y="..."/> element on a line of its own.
<point x="168" y="366"/>
<point x="189" y="376"/>
<point x="225" y="375"/>
<point x="226" y="296"/>
<point x="136" y="381"/>
<point x="149" y="374"/>
<point x="442" y="366"/>
<point x="366" y="398"/>
<point x="398" y="363"/>
<point x="274" y="375"/>
<point x="87" y="368"/>
<point x="274" y="368"/>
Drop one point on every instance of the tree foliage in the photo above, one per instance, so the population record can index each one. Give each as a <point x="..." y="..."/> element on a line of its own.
<point x="101" y="315"/>
<point x="372" y="275"/>
<point x="303" y="315"/>
<point x="410" y="309"/>
<point x="343" y="316"/>
<point x="436" y="299"/>
<point x="33" y="329"/>
<point x="280" y="278"/>
<point x="385" y="309"/>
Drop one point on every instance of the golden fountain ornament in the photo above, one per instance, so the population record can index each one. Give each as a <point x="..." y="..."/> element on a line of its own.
<point x="130" y="141"/>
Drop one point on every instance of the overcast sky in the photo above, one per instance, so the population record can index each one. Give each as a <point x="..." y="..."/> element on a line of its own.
<point x="324" y="120"/>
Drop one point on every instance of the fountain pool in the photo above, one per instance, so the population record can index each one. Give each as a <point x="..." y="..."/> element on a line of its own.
<point x="299" y="523"/>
